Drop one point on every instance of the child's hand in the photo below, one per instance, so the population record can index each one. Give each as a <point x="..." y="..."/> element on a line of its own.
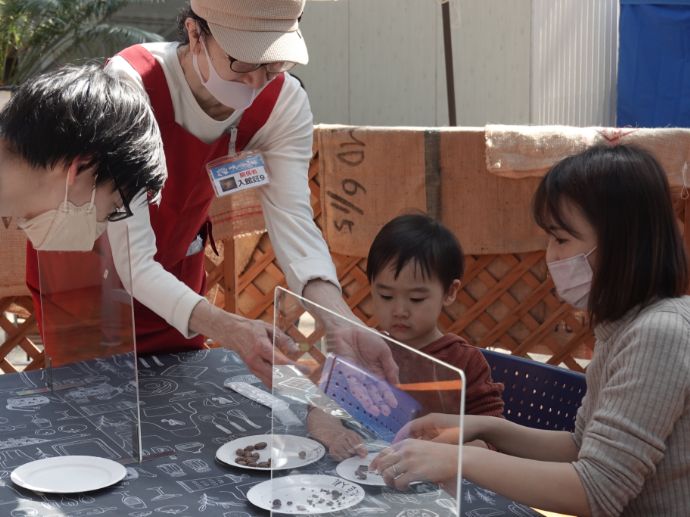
<point x="345" y="444"/>
<point x="342" y="443"/>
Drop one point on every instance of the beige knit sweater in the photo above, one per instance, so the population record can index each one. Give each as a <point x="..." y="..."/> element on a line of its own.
<point x="633" y="428"/>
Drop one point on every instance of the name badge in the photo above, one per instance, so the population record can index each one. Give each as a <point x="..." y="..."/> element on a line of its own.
<point x="230" y="174"/>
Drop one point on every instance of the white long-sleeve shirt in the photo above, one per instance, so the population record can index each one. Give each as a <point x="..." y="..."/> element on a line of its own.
<point x="286" y="144"/>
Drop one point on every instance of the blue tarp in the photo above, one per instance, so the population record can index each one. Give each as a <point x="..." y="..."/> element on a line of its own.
<point x="655" y="2"/>
<point x="654" y="63"/>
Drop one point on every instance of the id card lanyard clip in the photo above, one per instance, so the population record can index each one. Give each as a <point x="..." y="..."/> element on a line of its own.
<point x="232" y="148"/>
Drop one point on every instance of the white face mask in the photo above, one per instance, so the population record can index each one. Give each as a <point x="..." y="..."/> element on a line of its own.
<point x="66" y="228"/>
<point x="233" y="94"/>
<point x="573" y="279"/>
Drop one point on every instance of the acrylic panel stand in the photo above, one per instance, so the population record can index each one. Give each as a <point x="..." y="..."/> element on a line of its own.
<point x="333" y="383"/>
<point x="90" y="345"/>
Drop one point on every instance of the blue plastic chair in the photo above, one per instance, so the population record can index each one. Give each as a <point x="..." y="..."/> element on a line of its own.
<point x="537" y="395"/>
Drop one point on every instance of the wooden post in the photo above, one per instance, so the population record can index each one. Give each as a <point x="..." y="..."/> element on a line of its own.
<point x="448" y="55"/>
<point x="229" y="275"/>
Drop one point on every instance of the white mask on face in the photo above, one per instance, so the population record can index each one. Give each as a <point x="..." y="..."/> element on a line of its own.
<point x="66" y="228"/>
<point x="573" y="279"/>
<point x="232" y="94"/>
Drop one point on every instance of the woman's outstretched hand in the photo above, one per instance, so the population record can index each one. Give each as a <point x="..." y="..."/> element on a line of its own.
<point x="437" y="427"/>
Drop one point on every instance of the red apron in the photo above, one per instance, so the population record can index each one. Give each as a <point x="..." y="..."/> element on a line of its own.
<point x="187" y="196"/>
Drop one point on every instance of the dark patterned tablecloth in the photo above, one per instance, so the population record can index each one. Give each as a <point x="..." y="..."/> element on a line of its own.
<point x="186" y="414"/>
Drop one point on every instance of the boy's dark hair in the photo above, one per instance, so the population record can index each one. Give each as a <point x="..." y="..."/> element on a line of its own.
<point x="83" y="112"/>
<point x="418" y="238"/>
<point x="186" y="12"/>
<point x="624" y="194"/>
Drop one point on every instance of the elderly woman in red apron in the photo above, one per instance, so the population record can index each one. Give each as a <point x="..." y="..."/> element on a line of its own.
<point x="225" y="88"/>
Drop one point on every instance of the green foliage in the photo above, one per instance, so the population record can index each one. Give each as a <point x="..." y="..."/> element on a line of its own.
<point x="36" y="35"/>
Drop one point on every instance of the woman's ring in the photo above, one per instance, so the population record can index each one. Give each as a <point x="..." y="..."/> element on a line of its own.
<point x="395" y="470"/>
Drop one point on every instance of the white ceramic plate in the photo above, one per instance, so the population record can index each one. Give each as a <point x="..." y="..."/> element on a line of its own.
<point x="348" y="468"/>
<point x="305" y="494"/>
<point x="283" y="449"/>
<point x="68" y="474"/>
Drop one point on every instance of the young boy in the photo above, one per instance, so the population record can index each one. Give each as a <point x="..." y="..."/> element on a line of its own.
<point x="414" y="267"/>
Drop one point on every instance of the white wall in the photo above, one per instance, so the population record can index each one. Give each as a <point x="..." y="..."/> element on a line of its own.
<point x="574" y="62"/>
<point x="374" y="62"/>
<point x="492" y="61"/>
<point x="516" y="61"/>
<point x="381" y="62"/>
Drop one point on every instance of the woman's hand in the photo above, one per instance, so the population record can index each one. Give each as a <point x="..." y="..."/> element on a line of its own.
<point x="417" y="460"/>
<point x="368" y="350"/>
<point x="360" y="346"/>
<point x="437" y="427"/>
<point x="251" y="339"/>
<point x="444" y="428"/>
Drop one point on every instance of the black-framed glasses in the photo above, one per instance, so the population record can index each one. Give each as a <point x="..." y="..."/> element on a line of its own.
<point x="119" y="214"/>
<point x="276" y="67"/>
<point x="122" y="212"/>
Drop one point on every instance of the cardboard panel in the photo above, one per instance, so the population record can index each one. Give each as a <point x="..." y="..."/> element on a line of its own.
<point x="489" y="214"/>
<point x="369" y="175"/>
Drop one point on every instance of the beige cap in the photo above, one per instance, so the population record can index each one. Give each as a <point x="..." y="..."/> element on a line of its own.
<point x="256" y="31"/>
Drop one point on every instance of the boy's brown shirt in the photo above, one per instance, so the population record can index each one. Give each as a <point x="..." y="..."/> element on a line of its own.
<point x="482" y="395"/>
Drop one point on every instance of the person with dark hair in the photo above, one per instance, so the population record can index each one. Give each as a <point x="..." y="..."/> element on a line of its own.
<point x="222" y="90"/>
<point x="415" y="266"/>
<point x="419" y="241"/>
<point x="76" y="145"/>
<point x="614" y="251"/>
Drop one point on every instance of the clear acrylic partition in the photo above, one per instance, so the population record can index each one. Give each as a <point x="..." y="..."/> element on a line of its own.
<point x="90" y="350"/>
<point x="332" y="400"/>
